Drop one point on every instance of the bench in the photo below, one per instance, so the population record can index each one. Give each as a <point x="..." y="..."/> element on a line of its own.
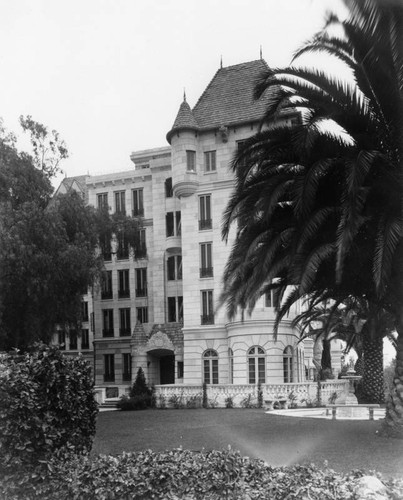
<point x="334" y="407"/>
<point x="269" y="403"/>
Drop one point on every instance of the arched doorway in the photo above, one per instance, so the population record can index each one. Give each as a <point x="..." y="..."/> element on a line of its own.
<point x="161" y="366"/>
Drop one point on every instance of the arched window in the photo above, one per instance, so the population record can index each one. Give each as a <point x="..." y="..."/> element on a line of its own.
<point x="287" y="364"/>
<point x="210" y="366"/>
<point x="257" y="365"/>
<point x="230" y="366"/>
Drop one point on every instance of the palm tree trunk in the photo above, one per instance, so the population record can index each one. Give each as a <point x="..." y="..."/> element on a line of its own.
<point x="393" y="424"/>
<point x="372" y="381"/>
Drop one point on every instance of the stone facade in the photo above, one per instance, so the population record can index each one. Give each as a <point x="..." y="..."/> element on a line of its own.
<point x="167" y="321"/>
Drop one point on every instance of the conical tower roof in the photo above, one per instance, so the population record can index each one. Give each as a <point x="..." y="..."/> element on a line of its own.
<point x="184" y="120"/>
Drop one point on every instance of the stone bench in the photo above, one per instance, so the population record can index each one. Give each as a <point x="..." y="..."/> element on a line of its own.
<point x="334" y="407"/>
<point x="269" y="403"/>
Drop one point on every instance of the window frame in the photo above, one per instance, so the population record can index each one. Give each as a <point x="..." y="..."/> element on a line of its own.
<point x="206" y="259"/>
<point x="207" y="307"/>
<point x="288" y="364"/>
<point x="141" y="282"/>
<point x="205" y="218"/>
<point x="120" y="202"/>
<point x="124" y="321"/>
<point x="109" y="367"/>
<point x="138" y="202"/>
<point x="123" y="283"/>
<point x="210" y="367"/>
<point x="210" y="161"/>
<point x="190" y="160"/>
<point x="256" y="357"/>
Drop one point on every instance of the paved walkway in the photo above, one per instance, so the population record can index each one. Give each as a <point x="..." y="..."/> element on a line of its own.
<point x="278" y="440"/>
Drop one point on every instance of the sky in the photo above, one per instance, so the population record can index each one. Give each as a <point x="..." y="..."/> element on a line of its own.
<point x="109" y="75"/>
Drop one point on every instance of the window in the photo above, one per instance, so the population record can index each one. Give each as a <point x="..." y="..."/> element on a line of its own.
<point x="127" y="367"/>
<point x="107" y="317"/>
<point x="287" y="365"/>
<point x="180" y="369"/>
<point x="272" y="298"/>
<point x="206" y="261"/>
<point x="141" y="248"/>
<point x="141" y="282"/>
<point x="102" y="201"/>
<point x="174" y="267"/>
<point x="123" y="283"/>
<point x="240" y="145"/>
<point x="109" y="367"/>
<point x="171" y="309"/>
<point x="175" y="309"/>
<point x="209" y="161"/>
<point x="123" y="246"/>
<point x="85" y="339"/>
<point x="106" y="249"/>
<point x="106" y="285"/>
<point x="205" y="212"/>
<point x="191" y="161"/>
<point x="230" y="366"/>
<point x="256" y="365"/>
<point x="173" y="224"/>
<point x="73" y="340"/>
<point x="210" y="365"/>
<point x="84" y="311"/>
<point x="168" y="188"/>
<point x="138" y="205"/>
<point x="124" y="322"/>
<point x="120" y="202"/>
<point x="142" y="314"/>
<point x="207" y="316"/>
<point x="61" y="340"/>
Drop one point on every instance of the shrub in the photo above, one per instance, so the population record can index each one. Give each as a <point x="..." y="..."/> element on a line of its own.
<point x="140" y="395"/>
<point x="248" y="402"/>
<point x="204" y="396"/>
<point x="194" y="401"/>
<point x="176" y="401"/>
<point x="259" y="395"/>
<point x="229" y="402"/>
<point x="184" y="474"/>
<point x="47" y="402"/>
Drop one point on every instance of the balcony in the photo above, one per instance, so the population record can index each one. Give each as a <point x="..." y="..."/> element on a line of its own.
<point x="123" y="294"/>
<point x="141" y="251"/>
<point x="122" y="253"/>
<point x="138" y="212"/>
<point x="141" y="292"/>
<point x="108" y="332"/>
<point x="207" y="319"/>
<point x="206" y="272"/>
<point x="106" y="294"/>
<point x="125" y="332"/>
<point x="205" y="224"/>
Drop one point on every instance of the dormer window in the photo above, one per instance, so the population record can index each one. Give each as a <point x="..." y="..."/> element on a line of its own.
<point x="191" y="161"/>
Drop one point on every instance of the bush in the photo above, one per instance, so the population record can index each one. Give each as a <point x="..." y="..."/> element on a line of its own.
<point x="184" y="474"/>
<point x="229" y="402"/>
<point x="47" y="402"/>
<point x="140" y="396"/>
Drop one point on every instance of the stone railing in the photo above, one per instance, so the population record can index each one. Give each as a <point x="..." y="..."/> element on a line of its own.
<point x="247" y="394"/>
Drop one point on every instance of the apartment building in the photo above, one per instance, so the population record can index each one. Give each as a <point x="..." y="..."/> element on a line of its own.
<point x="157" y="308"/>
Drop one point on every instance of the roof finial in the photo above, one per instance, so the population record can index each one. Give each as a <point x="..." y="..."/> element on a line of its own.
<point x="221" y="62"/>
<point x="184" y="94"/>
<point x="261" y="56"/>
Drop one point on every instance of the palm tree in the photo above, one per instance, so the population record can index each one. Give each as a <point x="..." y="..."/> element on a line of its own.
<point x="320" y="207"/>
<point x="349" y="321"/>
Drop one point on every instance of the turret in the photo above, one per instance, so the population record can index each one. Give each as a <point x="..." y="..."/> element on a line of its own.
<point x="183" y="140"/>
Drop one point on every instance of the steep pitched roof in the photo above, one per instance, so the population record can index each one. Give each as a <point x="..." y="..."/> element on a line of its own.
<point x="228" y="99"/>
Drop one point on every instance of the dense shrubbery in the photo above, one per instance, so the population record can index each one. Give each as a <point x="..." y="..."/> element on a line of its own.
<point x="140" y="396"/>
<point x="186" y="474"/>
<point x="46" y="404"/>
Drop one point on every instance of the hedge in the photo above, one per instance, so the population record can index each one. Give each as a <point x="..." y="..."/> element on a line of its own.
<point x="178" y="474"/>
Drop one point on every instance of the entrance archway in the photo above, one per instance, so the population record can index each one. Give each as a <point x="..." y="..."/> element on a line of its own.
<point x="161" y="366"/>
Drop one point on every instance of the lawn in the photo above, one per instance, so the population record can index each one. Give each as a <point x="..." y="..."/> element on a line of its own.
<point x="278" y="440"/>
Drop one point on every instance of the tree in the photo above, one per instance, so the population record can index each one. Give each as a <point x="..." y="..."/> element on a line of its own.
<point x="47" y="252"/>
<point x="48" y="147"/>
<point x="319" y="204"/>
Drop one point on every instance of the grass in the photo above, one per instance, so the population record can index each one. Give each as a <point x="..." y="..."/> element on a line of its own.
<point x="279" y="440"/>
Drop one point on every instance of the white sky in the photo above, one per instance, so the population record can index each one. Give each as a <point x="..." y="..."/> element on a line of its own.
<point x="109" y="75"/>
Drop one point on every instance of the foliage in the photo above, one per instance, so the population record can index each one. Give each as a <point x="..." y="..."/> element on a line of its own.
<point x="47" y="251"/>
<point x="332" y="398"/>
<point x="229" y="402"/>
<point x="140" y="397"/>
<point x="48" y="148"/>
<point x="259" y="395"/>
<point x="183" y="474"/>
<point x="47" y="403"/>
<point x="248" y="402"/>
<point x="204" y="396"/>
<point x="388" y="376"/>
<point x="293" y="400"/>
<point x="194" y="401"/>
<point x="177" y="401"/>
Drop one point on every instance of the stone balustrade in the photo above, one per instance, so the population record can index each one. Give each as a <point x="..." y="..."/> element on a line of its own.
<point x="298" y="393"/>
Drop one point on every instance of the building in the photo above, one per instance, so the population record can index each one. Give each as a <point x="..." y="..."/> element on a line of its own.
<point x="156" y="307"/>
